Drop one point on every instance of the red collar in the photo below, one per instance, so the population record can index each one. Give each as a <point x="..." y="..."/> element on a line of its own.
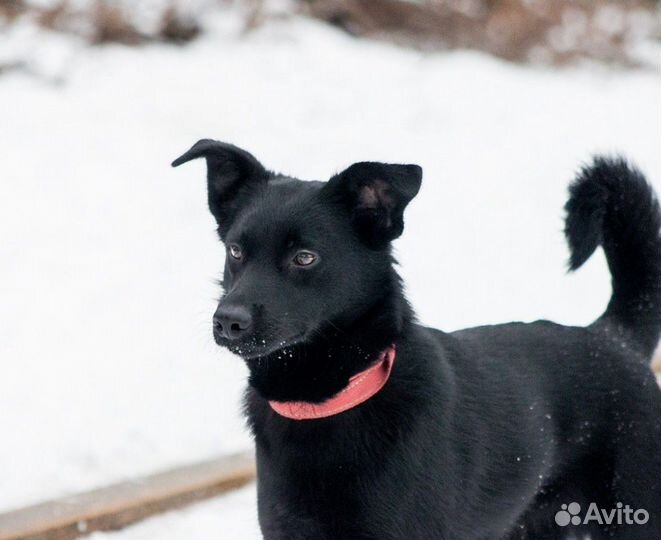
<point x="361" y="387"/>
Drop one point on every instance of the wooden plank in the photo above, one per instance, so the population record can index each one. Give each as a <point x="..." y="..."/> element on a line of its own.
<point x="118" y="505"/>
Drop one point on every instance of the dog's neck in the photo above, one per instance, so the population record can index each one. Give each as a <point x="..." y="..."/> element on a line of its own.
<point x="316" y="370"/>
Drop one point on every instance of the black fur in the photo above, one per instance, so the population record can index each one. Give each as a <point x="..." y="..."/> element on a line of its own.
<point x="612" y="205"/>
<point x="480" y="434"/>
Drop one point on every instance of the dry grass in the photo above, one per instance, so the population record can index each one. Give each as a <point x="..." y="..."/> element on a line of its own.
<point x="110" y="25"/>
<point x="543" y="31"/>
<point x="104" y="22"/>
<point x="550" y="31"/>
<point x="176" y="28"/>
<point x="10" y="9"/>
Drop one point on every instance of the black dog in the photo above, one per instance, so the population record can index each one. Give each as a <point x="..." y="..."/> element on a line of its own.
<point x="481" y="434"/>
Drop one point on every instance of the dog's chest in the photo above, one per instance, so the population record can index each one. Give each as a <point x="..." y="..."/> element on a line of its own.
<point x="317" y="500"/>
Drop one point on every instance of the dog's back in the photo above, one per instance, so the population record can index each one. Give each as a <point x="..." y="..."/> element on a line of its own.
<point x="594" y="409"/>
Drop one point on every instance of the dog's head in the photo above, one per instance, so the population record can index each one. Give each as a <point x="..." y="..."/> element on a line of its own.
<point x="302" y="257"/>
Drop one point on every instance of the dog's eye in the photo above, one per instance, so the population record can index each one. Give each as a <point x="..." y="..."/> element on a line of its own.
<point x="305" y="258"/>
<point x="235" y="251"/>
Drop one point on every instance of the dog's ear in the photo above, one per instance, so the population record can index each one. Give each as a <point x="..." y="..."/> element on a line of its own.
<point x="376" y="195"/>
<point x="233" y="175"/>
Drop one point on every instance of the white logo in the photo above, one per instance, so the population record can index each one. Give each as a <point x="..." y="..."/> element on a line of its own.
<point x="621" y="515"/>
<point x="569" y="514"/>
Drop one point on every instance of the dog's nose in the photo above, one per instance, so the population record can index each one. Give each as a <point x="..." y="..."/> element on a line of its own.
<point x="231" y="322"/>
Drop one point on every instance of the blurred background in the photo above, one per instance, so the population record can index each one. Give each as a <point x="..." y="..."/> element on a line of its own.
<point x="109" y="260"/>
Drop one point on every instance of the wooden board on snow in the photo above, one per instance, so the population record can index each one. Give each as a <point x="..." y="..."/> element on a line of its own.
<point x="118" y="505"/>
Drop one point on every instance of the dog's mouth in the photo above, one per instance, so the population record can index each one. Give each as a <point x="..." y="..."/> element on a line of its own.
<point x="255" y="348"/>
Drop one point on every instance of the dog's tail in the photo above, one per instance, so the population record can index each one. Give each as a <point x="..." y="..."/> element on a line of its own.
<point x="612" y="205"/>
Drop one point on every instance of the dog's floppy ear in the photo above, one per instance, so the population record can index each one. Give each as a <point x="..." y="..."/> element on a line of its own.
<point x="376" y="195"/>
<point x="233" y="175"/>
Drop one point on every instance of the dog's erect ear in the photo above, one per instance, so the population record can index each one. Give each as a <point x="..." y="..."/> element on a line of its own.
<point x="232" y="176"/>
<point x="376" y="194"/>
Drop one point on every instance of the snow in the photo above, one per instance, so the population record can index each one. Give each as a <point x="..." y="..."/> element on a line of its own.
<point x="110" y="257"/>
<point x="226" y="518"/>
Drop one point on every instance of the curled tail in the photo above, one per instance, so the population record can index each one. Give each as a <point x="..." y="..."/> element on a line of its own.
<point x="612" y="205"/>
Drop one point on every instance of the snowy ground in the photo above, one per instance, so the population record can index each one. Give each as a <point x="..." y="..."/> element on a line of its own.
<point x="232" y="517"/>
<point x="108" y="369"/>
